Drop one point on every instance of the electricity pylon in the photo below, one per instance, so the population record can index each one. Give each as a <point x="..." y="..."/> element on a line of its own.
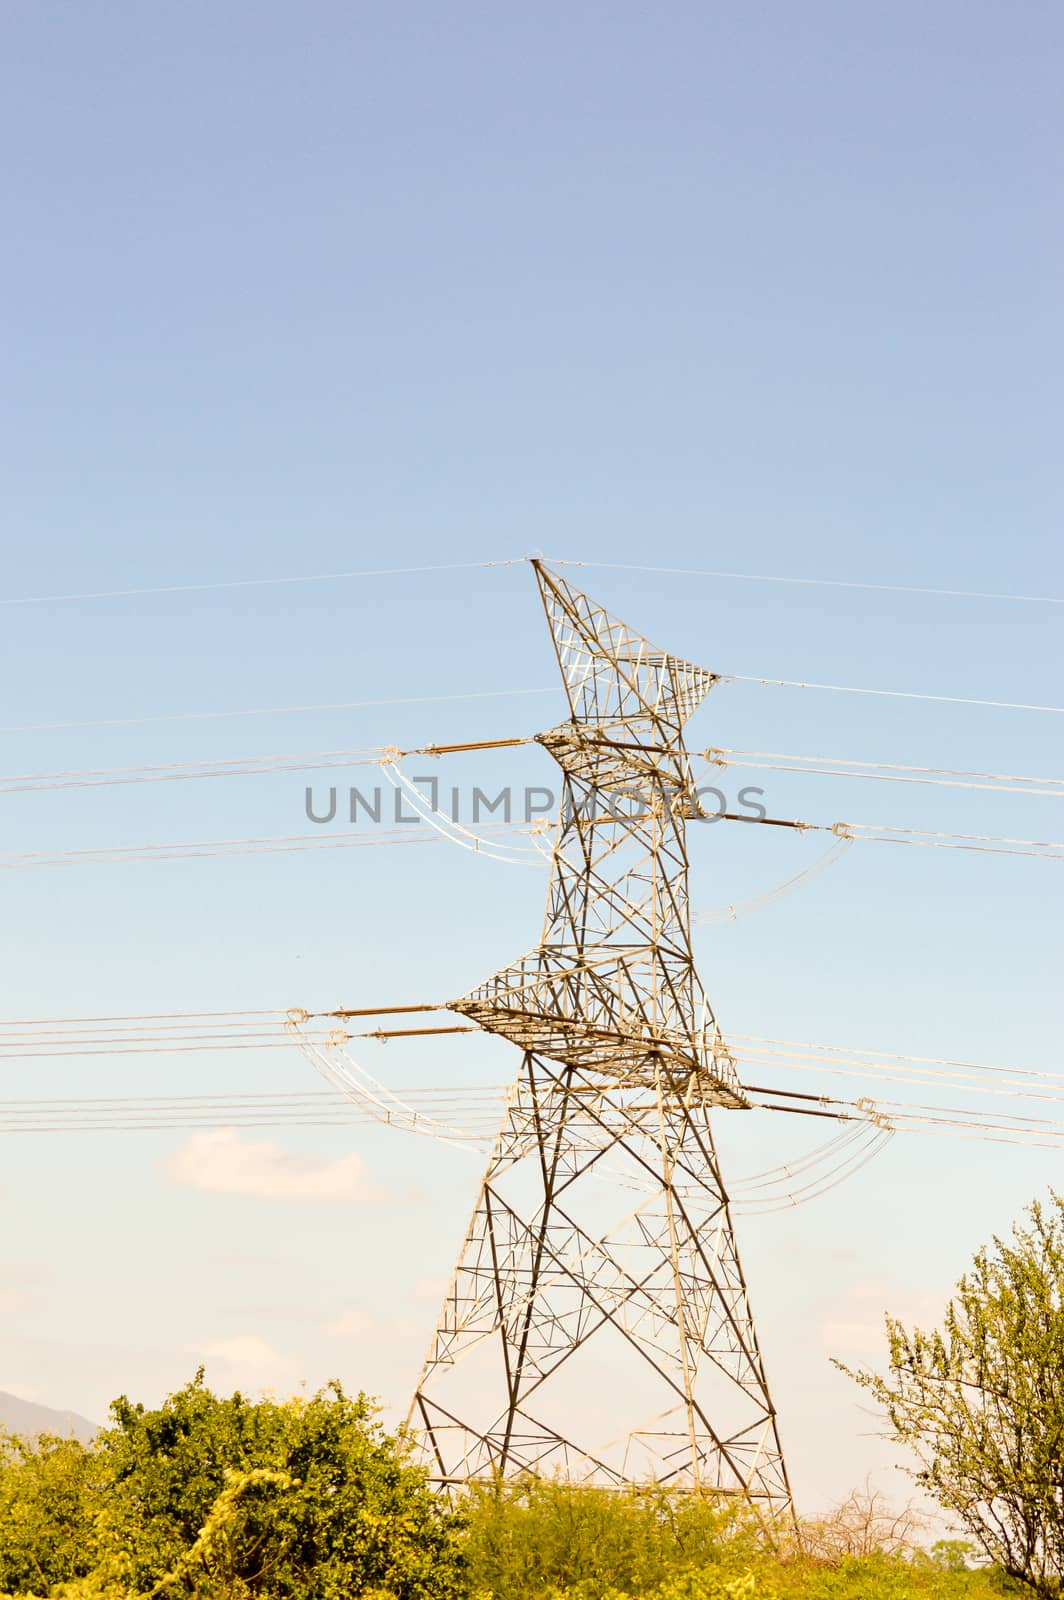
<point x="598" y="1324"/>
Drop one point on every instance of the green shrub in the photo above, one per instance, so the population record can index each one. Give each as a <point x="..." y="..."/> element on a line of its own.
<point x="48" y="1487"/>
<point x="307" y="1499"/>
<point x="525" y="1540"/>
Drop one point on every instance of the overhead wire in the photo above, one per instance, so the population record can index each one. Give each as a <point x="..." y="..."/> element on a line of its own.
<point x="354" y="1080"/>
<point x="557" y="561"/>
<point x="491" y="694"/>
<point x="771" y="1176"/>
<point x="937" y="1119"/>
<point x="270" y="844"/>
<point x="225" y="1028"/>
<point x="835" y="1066"/>
<point x="856" y="1159"/>
<point x="467" y="1115"/>
<point x="234" y="766"/>
<point x="454" y="831"/>
<point x="177" y="771"/>
<point x="926" y="838"/>
<point x="108" y="855"/>
<point x="231" y="1110"/>
<point x="258" y="583"/>
<point x="884" y="771"/>
<point x="313" y="760"/>
<point x="278" y="711"/>
<point x="752" y="1044"/>
<point x="744" y="908"/>
<point x="324" y="760"/>
<point x="890" y="694"/>
<point x="818" y="583"/>
<point x="959" y="1121"/>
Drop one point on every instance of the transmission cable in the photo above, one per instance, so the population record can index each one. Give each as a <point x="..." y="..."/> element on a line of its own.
<point x="884" y="772"/>
<point x="891" y="694"/>
<point x="280" y="711"/>
<point x="926" y="838"/>
<point x="170" y="772"/>
<point x="275" y="844"/>
<point x="819" y="583"/>
<point x="259" y="583"/>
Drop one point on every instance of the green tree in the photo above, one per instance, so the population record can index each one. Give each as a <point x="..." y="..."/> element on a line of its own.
<point x="341" y="1510"/>
<point x="981" y="1401"/>
<point x="306" y="1499"/>
<point x="47" y="1486"/>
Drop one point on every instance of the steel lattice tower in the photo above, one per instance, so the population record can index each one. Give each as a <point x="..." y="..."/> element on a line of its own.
<point x="599" y="1277"/>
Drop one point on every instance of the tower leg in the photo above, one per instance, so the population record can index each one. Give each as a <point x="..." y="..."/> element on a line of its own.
<point x="598" y="1322"/>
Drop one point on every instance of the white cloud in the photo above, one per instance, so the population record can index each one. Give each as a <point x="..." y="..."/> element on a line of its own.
<point x="349" y="1325"/>
<point x="855" y="1329"/>
<point x="356" y="1324"/>
<point x="219" y="1161"/>
<point x="247" y="1359"/>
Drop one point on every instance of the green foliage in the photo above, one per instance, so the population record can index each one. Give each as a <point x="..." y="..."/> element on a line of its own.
<point x="210" y="1498"/>
<point x="46" y="1491"/>
<point x="881" y="1577"/>
<point x="954" y="1555"/>
<point x="981" y="1402"/>
<point x="528" y="1538"/>
<point x="229" y="1498"/>
<point x="544" y="1540"/>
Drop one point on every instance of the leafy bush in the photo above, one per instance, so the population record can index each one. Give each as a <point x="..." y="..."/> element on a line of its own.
<point x="47" y="1489"/>
<point x="307" y="1499"/>
<point x="531" y="1537"/>
<point x="546" y="1540"/>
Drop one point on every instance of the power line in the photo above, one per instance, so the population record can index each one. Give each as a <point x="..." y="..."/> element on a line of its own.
<point x="1032" y="1087"/>
<point x="194" y="849"/>
<point x="422" y="1109"/>
<point x="221" y="1104"/>
<point x="277" y="711"/>
<point x="926" y="838"/>
<point x="492" y="694"/>
<point x="325" y="760"/>
<point x="189" y="1047"/>
<point x="230" y="767"/>
<point x="175" y="1026"/>
<point x="259" y="583"/>
<point x="146" y="1033"/>
<point x="28" y="1039"/>
<point x="892" y="694"/>
<point x="852" y="1053"/>
<point x="996" y="1125"/>
<point x="884" y="771"/>
<point x="467" y="566"/>
<point x="819" y="583"/>
<point x="743" y="908"/>
<point x="964" y="1126"/>
<point x="778" y="1199"/>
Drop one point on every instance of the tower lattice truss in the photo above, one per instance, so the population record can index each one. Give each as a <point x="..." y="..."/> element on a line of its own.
<point x="598" y="1323"/>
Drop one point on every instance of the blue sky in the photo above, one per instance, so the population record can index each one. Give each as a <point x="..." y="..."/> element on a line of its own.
<point x="771" y="290"/>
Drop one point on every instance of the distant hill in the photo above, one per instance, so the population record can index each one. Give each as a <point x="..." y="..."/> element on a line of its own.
<point x="22" y="1416"/>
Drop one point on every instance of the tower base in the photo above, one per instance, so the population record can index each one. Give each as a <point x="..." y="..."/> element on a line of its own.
<point x="598" y="1323"/>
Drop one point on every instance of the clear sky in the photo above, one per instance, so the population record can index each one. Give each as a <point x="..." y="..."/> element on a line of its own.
<point x="296" y="290"/>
